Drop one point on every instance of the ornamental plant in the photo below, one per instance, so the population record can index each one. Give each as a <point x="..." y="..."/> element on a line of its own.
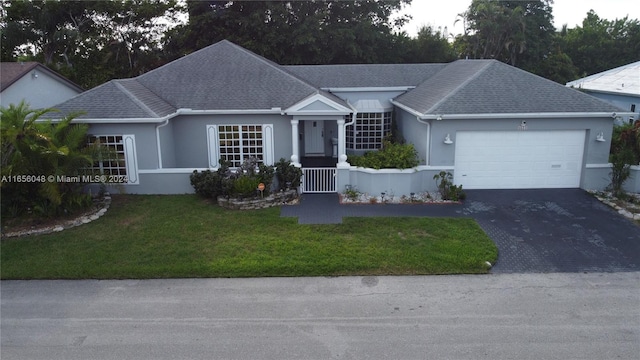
<point x="241" y="182"/>
<point x="391" y="156"/>
<point x="288" y="175"/>
<point x="42" y="150"/>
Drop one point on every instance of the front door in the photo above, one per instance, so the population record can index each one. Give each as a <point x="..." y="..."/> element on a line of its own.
<point x="314" y="138"/>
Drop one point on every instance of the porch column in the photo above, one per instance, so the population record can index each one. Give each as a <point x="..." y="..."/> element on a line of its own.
<point x="342" y="141"/>
<point x="295" y="143"/>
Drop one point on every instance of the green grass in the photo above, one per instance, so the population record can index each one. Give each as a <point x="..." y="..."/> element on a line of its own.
<point x="184" y="236"/>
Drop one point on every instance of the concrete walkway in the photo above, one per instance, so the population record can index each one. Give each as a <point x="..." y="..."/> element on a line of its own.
<point x="557" y="230"/>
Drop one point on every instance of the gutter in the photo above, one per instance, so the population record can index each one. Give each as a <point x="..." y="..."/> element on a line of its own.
<point x="170" y="116"/>
<point x="549" y="115"/>
<point x="536" y="115"/>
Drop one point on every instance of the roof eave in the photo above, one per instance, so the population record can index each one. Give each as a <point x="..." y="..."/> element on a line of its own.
<point x="537" y="115"/>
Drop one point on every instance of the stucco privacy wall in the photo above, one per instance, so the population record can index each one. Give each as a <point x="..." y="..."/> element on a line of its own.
<point x="191" y="135"/>
<point x="393" y="182"/>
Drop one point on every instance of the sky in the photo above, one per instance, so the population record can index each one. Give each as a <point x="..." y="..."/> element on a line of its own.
<point x="441" y="13"/>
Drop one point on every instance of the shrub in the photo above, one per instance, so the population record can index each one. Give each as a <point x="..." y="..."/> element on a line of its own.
<point x="391" y="156"/>
<point x="625" y="150"/>
<point x="246" y="186"/>
<point x="287" y="174"/>
<point x="41" y="150"/>
<point x="449" y="191"/>
<point x="352" y="193"/>
<point x="211" y="184"/>
<point x="225" y="182"/>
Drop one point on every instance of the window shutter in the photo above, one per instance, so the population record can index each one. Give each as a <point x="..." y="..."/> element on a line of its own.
<point x="213" y="144"/>
<point x="131" y="158"/>
<point x="267" y="144"/>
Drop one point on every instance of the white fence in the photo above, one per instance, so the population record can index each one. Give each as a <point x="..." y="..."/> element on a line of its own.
<point x="319" y="180"/>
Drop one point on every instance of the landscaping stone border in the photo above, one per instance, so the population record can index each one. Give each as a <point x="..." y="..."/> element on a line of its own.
<point x="632" y="213"/>
<point x="274" y="199"/>
<point x="101" y="207"/>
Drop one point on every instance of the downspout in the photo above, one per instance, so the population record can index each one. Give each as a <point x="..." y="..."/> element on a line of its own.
<point x="343" y="139"/>
<point x="165" y="123"/>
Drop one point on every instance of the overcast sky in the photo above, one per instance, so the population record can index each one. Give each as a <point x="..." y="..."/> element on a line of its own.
<point x="441" y="13"/>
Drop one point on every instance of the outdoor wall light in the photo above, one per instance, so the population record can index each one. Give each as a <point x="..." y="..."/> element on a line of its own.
<point x="447" y="139"/>
<point x="600" y="137"/>
<point x="439" y="118"/>
<point x="34" y="74"/>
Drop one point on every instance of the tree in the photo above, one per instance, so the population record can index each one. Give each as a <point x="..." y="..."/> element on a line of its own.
<point x="599" y="44"/>
<point x="89" y="42"/>
<point x="35" y="154"/>
<point x="515" y="32"/>
<point x="431" y="46"/>
<point x="296" y="32"/>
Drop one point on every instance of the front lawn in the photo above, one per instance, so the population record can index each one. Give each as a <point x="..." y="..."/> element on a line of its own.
<point x="184" y="236"/>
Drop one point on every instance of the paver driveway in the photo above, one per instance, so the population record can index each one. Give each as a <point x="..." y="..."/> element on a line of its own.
<point x="565" y="230"/>
<point x="557" y="230"/>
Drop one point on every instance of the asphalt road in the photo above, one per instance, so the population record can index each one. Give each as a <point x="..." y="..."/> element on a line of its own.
<point x="500" y="316"/>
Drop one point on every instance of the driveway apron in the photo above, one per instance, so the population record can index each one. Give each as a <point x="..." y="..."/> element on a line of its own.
<point x="551" y="230"/>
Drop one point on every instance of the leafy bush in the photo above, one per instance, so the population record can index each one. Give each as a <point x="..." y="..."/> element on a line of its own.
<point x="449" y="191"/>
<point x="391" y="156"/>
<point x="41" y="150"/>
<point x="246" y="186"/>
<point x="225" y="182"/>
<point x="625" y="150"/>
<point x="288" y="175"/>
<point x="211" y="184"/>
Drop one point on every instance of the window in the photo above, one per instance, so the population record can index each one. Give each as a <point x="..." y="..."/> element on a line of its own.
<point x="121" y="161"/>
<point x="368" y="131"/>
<point x="235" y="143"/>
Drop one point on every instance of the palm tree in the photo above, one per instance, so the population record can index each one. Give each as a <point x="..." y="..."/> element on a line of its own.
<point x="44" y="151"/>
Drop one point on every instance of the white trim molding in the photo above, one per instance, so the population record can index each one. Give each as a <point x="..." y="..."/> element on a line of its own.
<point x="338" y="109"/>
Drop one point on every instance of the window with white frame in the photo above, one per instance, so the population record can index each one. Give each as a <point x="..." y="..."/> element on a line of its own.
<point x="368" y="131"/>
<point x="238" y="142"/>
<point x="120" y="161"/>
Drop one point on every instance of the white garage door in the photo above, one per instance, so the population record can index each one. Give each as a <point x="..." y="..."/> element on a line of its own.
<point x="518" y="159"/>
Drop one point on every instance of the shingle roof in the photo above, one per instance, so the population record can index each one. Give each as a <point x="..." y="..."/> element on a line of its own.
<point x="225" y="76"/>
<point x="489" y="86"/>
<point x="107" y="101"/>
<point x="10" y="72"/>
<point x="365" y="75"/>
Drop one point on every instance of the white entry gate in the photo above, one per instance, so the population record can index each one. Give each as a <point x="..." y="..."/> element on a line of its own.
<point x="318" y="180"/>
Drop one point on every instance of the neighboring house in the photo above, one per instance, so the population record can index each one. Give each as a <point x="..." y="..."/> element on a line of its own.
<point x="619" y="86"/>
<point x="492" y="125"/>
<point x="34" y="83"/>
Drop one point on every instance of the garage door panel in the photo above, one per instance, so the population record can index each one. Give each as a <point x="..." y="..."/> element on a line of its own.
<point x="518" y="159"/>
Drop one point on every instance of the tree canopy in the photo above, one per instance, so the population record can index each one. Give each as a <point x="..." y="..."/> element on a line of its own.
<point x="92" y="42"/>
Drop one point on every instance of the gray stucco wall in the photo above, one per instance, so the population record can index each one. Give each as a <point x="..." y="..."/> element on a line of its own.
<point x="145" y="135"/>
<point x="190" y="136"/>
<point x="623" y="101"/>
<point x="167" y="145"/>
<point x="40" y="92"/>
<point x="595" y="152"/>
<point x="413" y="132"/>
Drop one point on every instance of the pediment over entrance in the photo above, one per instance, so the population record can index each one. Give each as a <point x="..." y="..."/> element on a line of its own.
<point x="318" y="105"/>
